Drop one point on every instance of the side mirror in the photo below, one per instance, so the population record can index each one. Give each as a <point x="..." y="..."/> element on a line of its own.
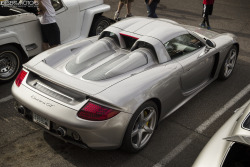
<point x="210" y="44"/>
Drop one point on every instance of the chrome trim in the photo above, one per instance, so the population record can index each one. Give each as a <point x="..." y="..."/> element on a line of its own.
<point x="31" y="47"/>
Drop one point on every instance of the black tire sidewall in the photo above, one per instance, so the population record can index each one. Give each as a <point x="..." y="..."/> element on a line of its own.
<point x="127" y="142"/>
<point x="96" y="23"/>
<point x="18" y="57"/>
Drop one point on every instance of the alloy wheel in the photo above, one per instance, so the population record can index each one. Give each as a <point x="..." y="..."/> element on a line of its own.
<point x="230" y="62"/>
<point x="144" y="127"/>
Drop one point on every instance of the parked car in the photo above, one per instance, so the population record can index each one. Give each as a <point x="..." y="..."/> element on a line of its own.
<point x="111" y="91"/>
<point x="230" y="145"/>
<point x="20" y="34"/>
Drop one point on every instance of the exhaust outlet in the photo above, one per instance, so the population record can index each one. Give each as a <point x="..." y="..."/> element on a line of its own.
<point x="21" y="109"/>
<point x="61" y="131"/>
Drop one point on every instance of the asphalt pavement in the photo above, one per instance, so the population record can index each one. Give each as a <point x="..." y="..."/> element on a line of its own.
<point x="178" y="139"/>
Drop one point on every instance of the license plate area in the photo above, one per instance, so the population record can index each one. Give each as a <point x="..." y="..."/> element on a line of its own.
<point x="44" y="122"/>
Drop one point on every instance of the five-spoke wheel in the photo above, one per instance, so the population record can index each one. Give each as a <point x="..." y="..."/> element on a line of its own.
<point x="229" y="63"/>
<point x="141" y="127"/>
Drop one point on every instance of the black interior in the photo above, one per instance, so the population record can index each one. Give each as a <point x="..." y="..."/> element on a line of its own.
<point x="8" y="11"/>
<point x="238" y="156"/>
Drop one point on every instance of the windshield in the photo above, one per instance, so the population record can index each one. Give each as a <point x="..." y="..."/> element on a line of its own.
<point x="239" y="139"/>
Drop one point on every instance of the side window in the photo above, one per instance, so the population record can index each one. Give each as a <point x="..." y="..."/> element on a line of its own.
<point x="57" y="4"/>
<point x="182" y="45"/>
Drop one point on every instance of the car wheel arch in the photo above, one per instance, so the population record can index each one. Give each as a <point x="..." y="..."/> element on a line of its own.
<point x="238" y="47"/>
<point x="19" y="47"/>
<point x="228" y="64"/>
<point x="148" y="103"/>
<point x="96" y="19"/>
<point x="159" y="106"/>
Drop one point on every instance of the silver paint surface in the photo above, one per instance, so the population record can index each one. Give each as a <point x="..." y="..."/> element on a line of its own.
<point x="169" y="83"/>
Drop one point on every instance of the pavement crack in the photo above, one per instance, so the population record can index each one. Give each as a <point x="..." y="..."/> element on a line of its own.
<point x="15" y="140"/>
<point x="188" y="128"/>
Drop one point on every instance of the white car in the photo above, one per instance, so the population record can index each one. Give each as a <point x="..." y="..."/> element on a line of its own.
<point x="230" y="145"/>
<point x="20" y="34"/>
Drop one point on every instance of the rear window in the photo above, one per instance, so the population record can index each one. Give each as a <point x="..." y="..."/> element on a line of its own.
<point x="129" y="40"/>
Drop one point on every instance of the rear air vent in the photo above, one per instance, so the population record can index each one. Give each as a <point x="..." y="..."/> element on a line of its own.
<point x="53" y="93"/>
<point x="51" y="89"/>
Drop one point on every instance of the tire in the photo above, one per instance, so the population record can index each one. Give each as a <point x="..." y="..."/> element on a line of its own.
<point x="229" y="63"/>
<point x="98" y="25"/>
<point x="10" y="62"/>
<point x="141" y="128"/>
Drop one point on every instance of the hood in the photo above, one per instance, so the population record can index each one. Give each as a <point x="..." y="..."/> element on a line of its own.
<point x="6" y="21"/>
<point x="91" y="67"/>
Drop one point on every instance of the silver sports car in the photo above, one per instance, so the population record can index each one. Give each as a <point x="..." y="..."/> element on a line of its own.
<point x="111" y="91"/>
<point x="230" y="145"/>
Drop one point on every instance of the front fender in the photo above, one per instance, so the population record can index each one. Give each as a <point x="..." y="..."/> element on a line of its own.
<point x="224" y="42"/>
<point x="26" y="34"/>
<point x="89" y="16"/>
<point x="234" y="37"/>
<point x="8" y="37"/>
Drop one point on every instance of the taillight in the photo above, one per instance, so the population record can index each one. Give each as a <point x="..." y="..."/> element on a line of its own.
<point x="20" y="77"/>
<point x="96" y="112"/>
